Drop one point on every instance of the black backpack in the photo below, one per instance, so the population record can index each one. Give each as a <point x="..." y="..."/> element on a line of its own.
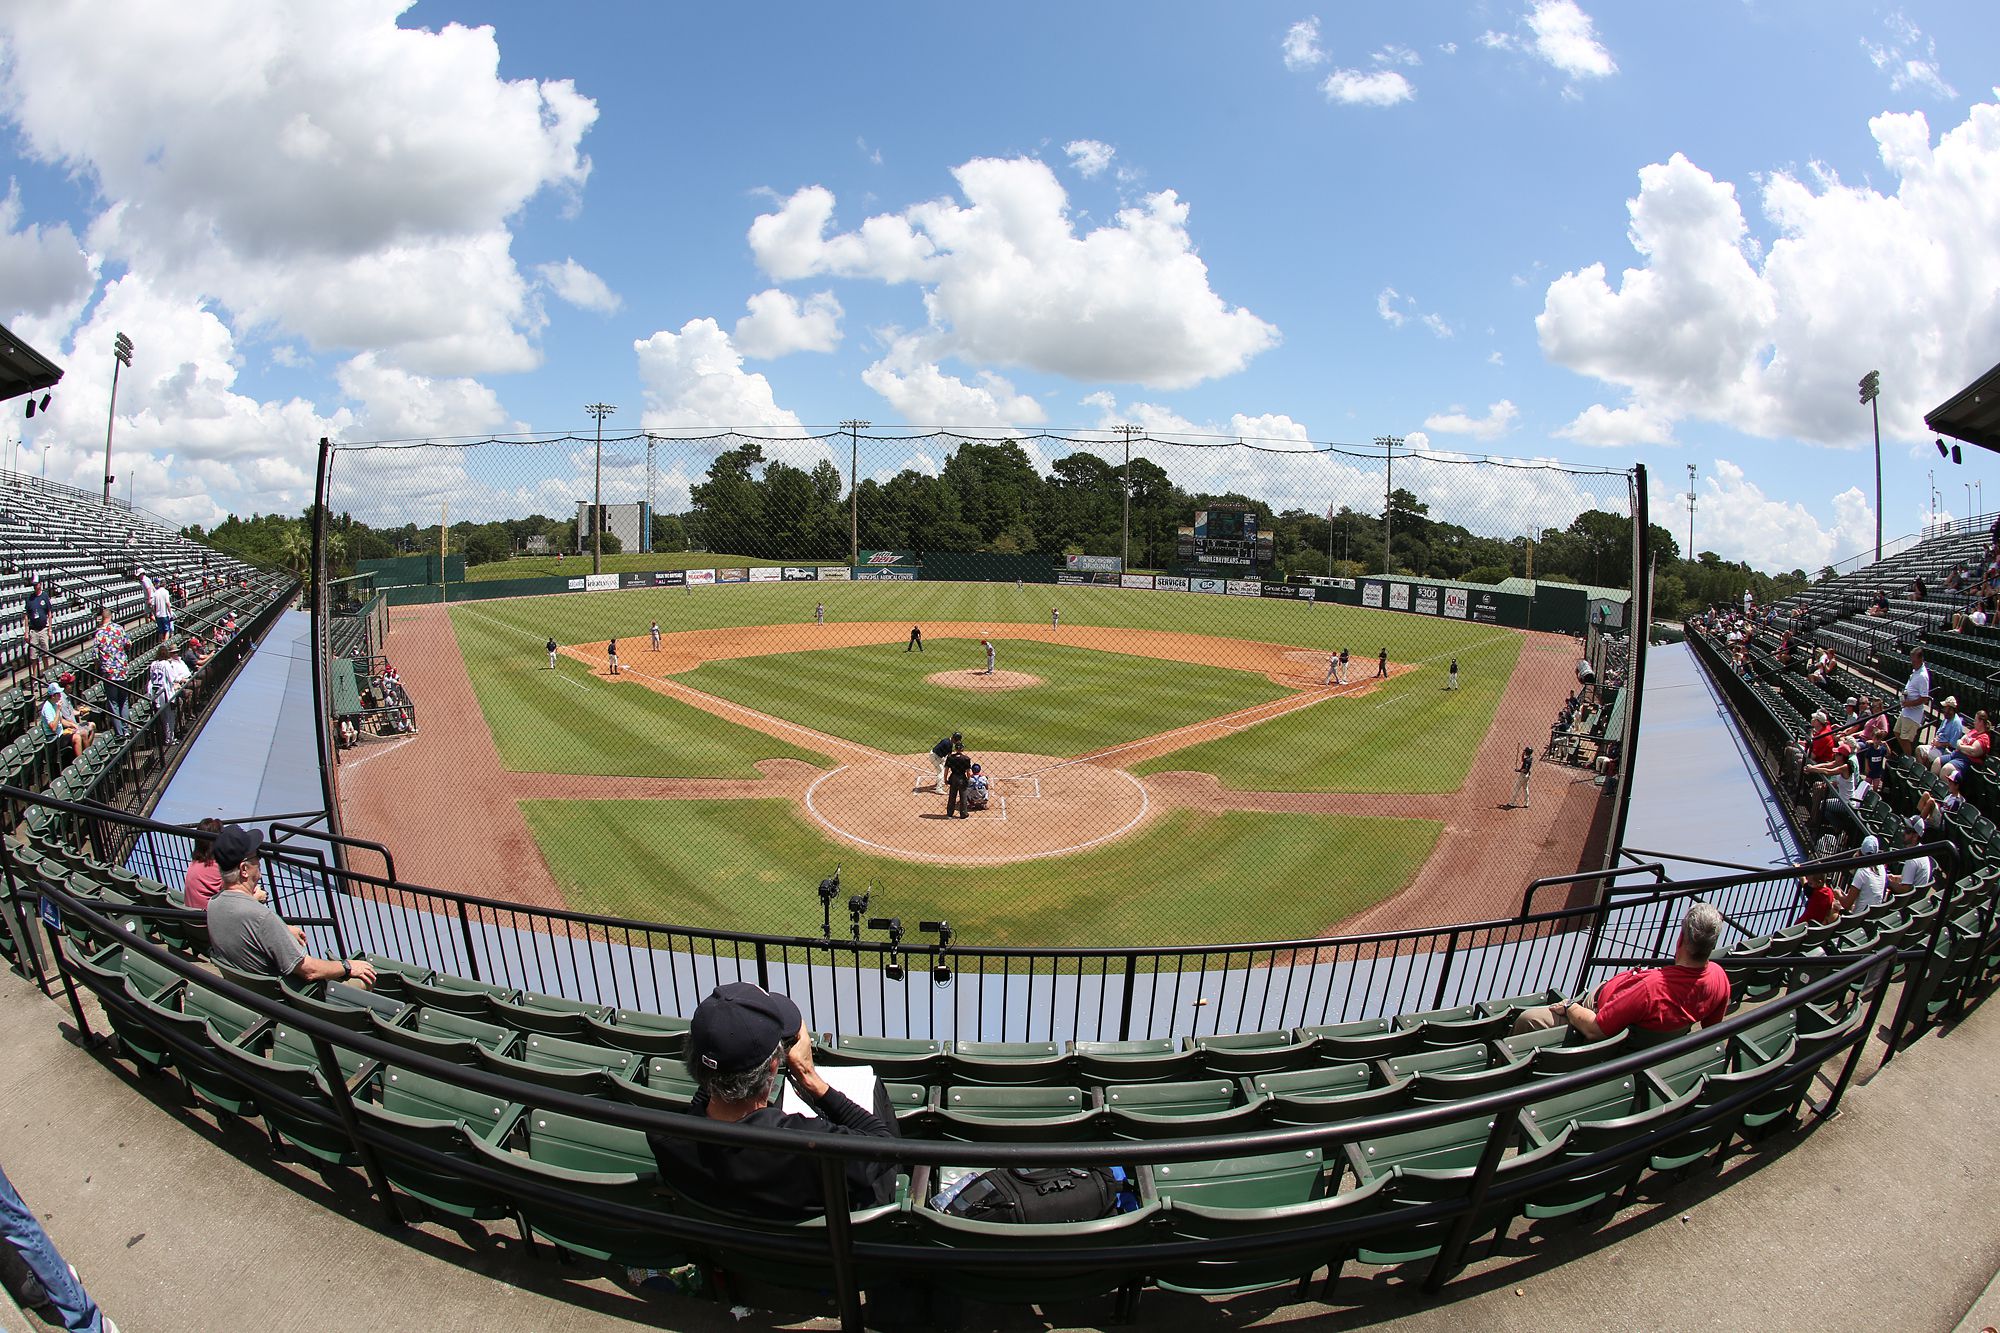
<point x="1025" y="1194"/>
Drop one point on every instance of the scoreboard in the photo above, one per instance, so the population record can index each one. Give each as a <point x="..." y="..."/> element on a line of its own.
<point x="1225" y="535"/>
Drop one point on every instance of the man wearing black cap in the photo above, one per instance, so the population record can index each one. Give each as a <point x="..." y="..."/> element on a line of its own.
<point x="246" y="934"/>
<point x="743" y="1043"/>
<point x="939" y="753"/>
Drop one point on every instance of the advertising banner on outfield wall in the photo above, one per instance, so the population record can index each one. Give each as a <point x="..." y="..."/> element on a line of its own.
<point x="831" y="573"/>
<point x="1399" y="597"/>
<point x="1071" y="580"/>
<point x="1322" y="581"/>
<point x="1170" y="583"/>
<point x="1485" y="608"/>
<point x="1208" y="585"/>
<point x="800" y="573"/>
<point x="767" y="574"/>
<point x="653" y="578"/>
<point x="1245" y="588"/>
<point x="1135" y="580"/>
<point x="884" y="574"/>
<point x="600" y="582"/>
<point x="1294" y="591"/>
<point x="1093" y="564"/>
<point x="731" y="576"/>
<point x="888" y="558"/>
<point x="1427" y="599"/>
<point x="1454" y="603"/>
<point x="697" y="577"/>
<point x="1371" y="593"/>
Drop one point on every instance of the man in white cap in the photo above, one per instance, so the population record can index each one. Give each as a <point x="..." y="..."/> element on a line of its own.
<point x="1945" y="739"/>
<point x="1870" y="886"/>
<point x="1917" y="872"/>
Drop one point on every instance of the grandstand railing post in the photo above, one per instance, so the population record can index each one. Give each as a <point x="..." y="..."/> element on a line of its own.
<point x="840" y="1241"/>
<point x="68" y="983"/>
<point x="1125" y="1001"/>
<point x="1451" y="1256"/>
<point x="343" y="1103"/>
<point x="1444" y="971"/>
<point x="763" y="967"/>
<point x="465" y="933"/>
<point x="17" y="922"/>
<point x="1860" y="1041"/>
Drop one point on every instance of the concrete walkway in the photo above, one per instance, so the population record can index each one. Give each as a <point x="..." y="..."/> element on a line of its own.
<point x="1883" y="1218"/>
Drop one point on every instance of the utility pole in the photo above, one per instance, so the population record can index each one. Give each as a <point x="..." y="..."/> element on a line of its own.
<point x="854" y="429"/>
<point x="1125" y="528"/>
<point x="1389" y="445"/>
<point x="600" y="411"/>
<point x="1690" y="550"/>
<point x="1871" y="386"/>
<point x="121" y="355"/>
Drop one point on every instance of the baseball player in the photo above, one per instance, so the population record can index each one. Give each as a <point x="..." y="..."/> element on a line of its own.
<point x="916" y="643"/>
<point x="987" y="644"/>
<point x="611" y="652"/>
<point x="941" y="752"/>
<point x="552" y="652"/>
<point x="1332" y="668"/>
<point x="656" y="636"/>
<point x="1340" y="676"/>
<point x="819" y="614"/>
<point x="1451" y="682"/>
<point x="1055" y="618"/>
<point x="1521" y="770"/>
<point x="1382" y="665"/>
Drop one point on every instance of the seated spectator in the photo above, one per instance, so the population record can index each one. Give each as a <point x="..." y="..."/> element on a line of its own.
<point x="1971" y="751"/>
<point x="350" y="735"/>
<point x="203" y="879"/>
<point x="743" y="1044"/>
<point x="1659" y="1001"/>
<point x="245" y="933"/>
<point x="1917" y="872"/>
<point x="60" y="720"/>
<point x="1917" y="587"/>
<point x="1824" y="903"/>
<point x="1880" y="606"/>
<point x="1950" y="728"/>
<point x="1869" y="885"/>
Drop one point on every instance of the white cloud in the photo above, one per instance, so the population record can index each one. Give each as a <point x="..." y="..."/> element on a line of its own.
<point x="695" y="378"/>
<point x="1449" y="48"/>
<point x="43" y="269"/>
<point x="397" y="405"/>
<point x="1561" y="35"/>
<point x="1397" y="309"/>
<point x="924" y="395"/>
<point x="1393" y="54"/>
<point x="778" y="324"/>
<point x="1772" y="341"/>
<point x="1909" y="58"/>
<point x="1494" y="358"/>
<point x="580" y="287"/>
<point x="1499" y="419"/>
<point x="1089" y="156"/>
<point x="874" y="155"/>
<point x="308" y="167"/>
<point x="1619" y="427"/>
<point x="1736" y="520"/>
<point x="1008" y="281"/>
<point x="1353" y="87"/>
<point x="1301" y="45"/>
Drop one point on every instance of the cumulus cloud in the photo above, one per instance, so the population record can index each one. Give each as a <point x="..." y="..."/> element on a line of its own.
<point x="1561" y="35"/>
<point x="1737" y="521"/>
<point x="1770" y="339"/>
<point x="397" y="405"/>
<point x="309" y="167"/>
<point x="1909" y="58"/>
<point x="924" y="395"/>
<point x="1301" y="45"/>
<point x="1499" y="419"/>
<point x="1397" y="309"/>
<point x="1008" y="281"/>
<point x="695" y="378"/>
<point x="1393" y="54"/>
<point x="43" y="269"/>
<point x="1353" y="87"/>
<point x="779" y="324"/>
<point x="574" y="283"/>
<point x="1089" y="156"/>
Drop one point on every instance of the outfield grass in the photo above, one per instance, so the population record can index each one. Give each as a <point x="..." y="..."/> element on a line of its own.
<point x="1189" y="878"/>
<point x="569" y="721"/>
<point x="625" y="562"/>
<point x="877" y="695"/>
<point x="1410" y="735"/>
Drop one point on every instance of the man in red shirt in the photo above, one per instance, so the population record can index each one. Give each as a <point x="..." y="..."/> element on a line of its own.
<point x="1657" y="1001"/>
<point x="1823" y="902"/>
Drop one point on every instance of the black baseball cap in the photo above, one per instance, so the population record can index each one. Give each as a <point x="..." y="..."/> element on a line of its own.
<point x="737" y="1027"/>
<point x="235" y="845"/>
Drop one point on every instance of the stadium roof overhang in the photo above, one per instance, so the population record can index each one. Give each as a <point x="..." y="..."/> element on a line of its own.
<point x="1972" y="414"/>
<point x="23" y="369"/>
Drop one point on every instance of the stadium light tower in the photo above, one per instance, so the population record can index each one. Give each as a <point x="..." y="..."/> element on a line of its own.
<point x="854" y="429"/>
<point x="1389" y="445"/>
<point x="1690" y="550"/>
<point x="600" y="411"/>
<point x="1871" y="387"/>
<point x="121" y="355"/>
<point x="1125" y="524"/>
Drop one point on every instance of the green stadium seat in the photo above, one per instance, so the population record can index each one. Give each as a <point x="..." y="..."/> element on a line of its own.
<point x="1199" y="1097"/>
<point x="905" y="1059"/>
<point x="1413" y="1187"/>
<point x="321" y="1140"/>
<point x="1274" y="1264"/>
<point x="1451" y="1146"/>
<point x="583" y="1230"/>
<point x="1328" y="1110"/>
<point x="1009" y="1063"/>
<point x="458" y="1050"/>
<point x="1671" y="1078"/>
<point x="584" y="1145"/>
<point x="349" y="1007"/>
<point x="583" y="1080"/>
<point x="1608" y="1100"/>
<point x="1472" y="1083"/>
<point x="1102" y="1063"/>
<point x="1580" y="1191"/>
<point x="292" y="1046"/>
<point x="1513" y="1004"/>
<point x="392" y="975"/>
<point x="1017" y="1103"/>
<point x="435" y="1022"/>
<point x="1082" y="1272"/>
<point x="1524" y="1044"/>
<point x="1463" y="1059"/>
<point x="640" y="1033"/>
<point x="670" y="1076"/>
<point x="409" y="1093"/>
<point x="1264" y="1180"/>
<point x="1364" y="1039"/>
<point x="914" y="1105"/>
<point x="1126" y="1124"/>
<point x="449" y="1192"/>
<point x="474" y="999"/>
<point x="230" y="1021"/>
<point x="550" y="1015"/>
<point x="1550" y="1061"/>
<point x="1689" y="1147"/>
<point x="1455" y="1026"/>
<point x="555" y="1053"/>
<point x="1320" y="1081"/>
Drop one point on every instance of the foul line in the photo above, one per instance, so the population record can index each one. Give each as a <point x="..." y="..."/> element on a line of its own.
<point x="352" y="764"/>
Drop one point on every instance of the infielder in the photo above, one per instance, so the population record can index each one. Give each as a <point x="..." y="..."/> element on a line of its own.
<point x="1332" y="668"/>
<point x="819" y="614"/>
<point x="1340" y="676"/>
<point x="941" y="752"/>
<point x="1382" y="665"/>
<point x="987" y="644"/>
<point x="656" y="636"/>
<point x="1055" y="618"/>
<point x="611" y="652"/>
<point x="552" y="652"/>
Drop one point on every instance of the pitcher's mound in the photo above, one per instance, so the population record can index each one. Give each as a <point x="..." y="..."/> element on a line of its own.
<point x="979" y="680"/>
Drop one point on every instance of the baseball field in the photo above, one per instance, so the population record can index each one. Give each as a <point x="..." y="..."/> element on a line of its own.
<point x="1162" y="767"/>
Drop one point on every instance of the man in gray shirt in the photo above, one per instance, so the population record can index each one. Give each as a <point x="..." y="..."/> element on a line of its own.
<point x="246" y="934"/>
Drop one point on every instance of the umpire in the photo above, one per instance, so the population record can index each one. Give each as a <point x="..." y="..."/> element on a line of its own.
<point x="941" y="752"/>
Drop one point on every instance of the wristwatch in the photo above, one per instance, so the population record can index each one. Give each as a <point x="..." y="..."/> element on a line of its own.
<point x="346" y="970"/>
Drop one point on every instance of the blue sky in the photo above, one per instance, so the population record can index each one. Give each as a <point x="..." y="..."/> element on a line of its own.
<point x="1295" y="223"/>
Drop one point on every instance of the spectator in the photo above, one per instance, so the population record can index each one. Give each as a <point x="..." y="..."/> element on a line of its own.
<point x="60" y="720"/>
<point x="245" y="933"/>
<point x="162" y="607"/>
<point x="66" y="1299"/>
<point x="112" y="648"/>
<point x="743" y="1043"/>
<point x="1869" y="886"/>
<point x="1916" y="699"/>
<point x="160" y="691"/>
<point x="1971" y="750"/>
<point x="203" y="879"/>
<point x="35" y="628"/>
<point x="1824" y="903"/>
<point x="1950" y="728"/>
<point x="1659" y="1001"/>
<point x="1916" y="872"/>
<point x="179" y="674"/>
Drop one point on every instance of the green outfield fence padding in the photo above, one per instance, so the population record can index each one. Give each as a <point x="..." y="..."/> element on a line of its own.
<point x="407" y="571"/>
<point x="1561" y="608"/>
<point x="988" y="567"/>
<point x="481" y="591"/>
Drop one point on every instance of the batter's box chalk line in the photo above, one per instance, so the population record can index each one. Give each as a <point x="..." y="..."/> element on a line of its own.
<point x="1034" y="794"/>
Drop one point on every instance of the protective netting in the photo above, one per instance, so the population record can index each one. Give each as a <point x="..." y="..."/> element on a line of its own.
<point x="1137" y="640"/>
